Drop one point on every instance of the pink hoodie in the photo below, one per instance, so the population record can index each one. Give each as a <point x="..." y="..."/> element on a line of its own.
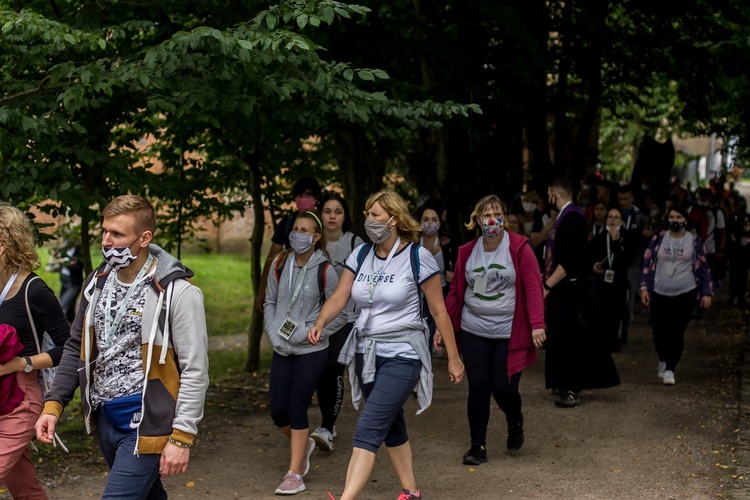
<point x="10" y="392"/>
<point x="529" y="311"/>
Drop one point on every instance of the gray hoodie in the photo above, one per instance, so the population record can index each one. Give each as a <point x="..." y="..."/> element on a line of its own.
<point x="306" y="307"/>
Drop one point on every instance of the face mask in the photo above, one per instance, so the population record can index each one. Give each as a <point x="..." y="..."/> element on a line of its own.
<point x="654" y="214"/>
<point x="702" y="203"/>
<point x="492" y="227"/>
<point x="119" y="257"/>
<point x="676" y="227"/>
<point x="528" y="206"/>
<point x="430" y="228"/>
<point x="299" y="242"/>
<point x="304" y="203"/>
<point x="645" y="187"/>
<point x="377" y="231"/>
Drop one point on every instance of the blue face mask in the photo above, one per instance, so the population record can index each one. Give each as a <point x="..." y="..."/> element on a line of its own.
<point x="676" y="227"/>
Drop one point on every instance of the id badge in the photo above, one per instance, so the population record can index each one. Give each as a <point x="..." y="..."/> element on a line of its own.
<point x="669" y="268"/>
<point x="609" y="276"/>
<point x="288" y="328"/>
<point x="480" y="284"/>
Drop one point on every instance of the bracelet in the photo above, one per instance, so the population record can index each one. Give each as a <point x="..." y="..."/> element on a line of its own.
<point x="546" y="286"/>
<point x="177" y="443"/>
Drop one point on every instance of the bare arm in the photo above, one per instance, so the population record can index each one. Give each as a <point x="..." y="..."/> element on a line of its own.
<point x="433" y="292"/>
<point x="333" y="306"/>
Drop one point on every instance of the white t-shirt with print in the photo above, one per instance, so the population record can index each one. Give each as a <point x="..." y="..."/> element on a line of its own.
<point x="396" y="297"/>
<point x="490" y="313"/>
<point x="119" y="367"/>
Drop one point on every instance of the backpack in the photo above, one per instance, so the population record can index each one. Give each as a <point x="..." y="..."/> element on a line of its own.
<point x="415" y="267"/>
<point x="322" y="270"/>
<point x="698" y="218"/>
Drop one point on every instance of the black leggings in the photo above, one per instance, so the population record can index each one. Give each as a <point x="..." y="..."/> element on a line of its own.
<point x="669" y="320"/>
<point x="486" y="362"/>
<point x="291" y="385"/>
<point x="331" y="386"/>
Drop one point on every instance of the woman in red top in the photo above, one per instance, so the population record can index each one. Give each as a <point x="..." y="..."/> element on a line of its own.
<point x="495" y="301"/>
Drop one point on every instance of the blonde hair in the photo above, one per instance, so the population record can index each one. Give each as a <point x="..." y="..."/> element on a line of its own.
<point x="145" y="218"/>
<point x="482" y="205"/>
<point x="394" y="205"/>
<point x="17" y="235"/>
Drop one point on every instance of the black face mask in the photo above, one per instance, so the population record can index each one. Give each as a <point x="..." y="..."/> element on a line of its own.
<point x="676" y="227"/>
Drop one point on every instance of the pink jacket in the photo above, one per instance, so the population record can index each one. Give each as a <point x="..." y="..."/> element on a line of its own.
<point x="529" y="310"/>
<point x="10" y="392"/>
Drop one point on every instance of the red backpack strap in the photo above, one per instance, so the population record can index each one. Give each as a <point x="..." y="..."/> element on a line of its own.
<point x="280" y="261"/>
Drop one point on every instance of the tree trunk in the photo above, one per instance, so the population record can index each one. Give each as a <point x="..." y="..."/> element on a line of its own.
<point x="255" y="332"/>
<point x="361" y="168"/>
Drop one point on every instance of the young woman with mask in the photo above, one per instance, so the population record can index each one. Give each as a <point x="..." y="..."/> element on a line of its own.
<point x="495" y="303"/>
<point x="675" y="273"/>
<point x="340" y="242"/>
<point x="387" y="351"/>
<point x="599" y="223"/>
<point x="435" y="239"/>
<point x="301" y="279"/>
<point x="610" y="253"/>
<point x="20" y="358"/>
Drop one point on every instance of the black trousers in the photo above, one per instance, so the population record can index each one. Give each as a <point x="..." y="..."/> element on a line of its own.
<point x="669" y="320"/>
<point x="331" y="386"/>
<point x="565" y="333"/>
<point x="486" y="362"/>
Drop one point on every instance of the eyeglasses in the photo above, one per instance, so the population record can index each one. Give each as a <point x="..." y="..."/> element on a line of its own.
<point x="614" y="217"/>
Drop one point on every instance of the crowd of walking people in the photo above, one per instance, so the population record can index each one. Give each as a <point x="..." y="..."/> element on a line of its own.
<point x="562" y="268"/>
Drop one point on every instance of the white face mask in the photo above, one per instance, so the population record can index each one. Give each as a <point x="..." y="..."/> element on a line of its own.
<point x="299" y="242"/>
<point x="528" y="206"/>
<point x="377" y="231"/>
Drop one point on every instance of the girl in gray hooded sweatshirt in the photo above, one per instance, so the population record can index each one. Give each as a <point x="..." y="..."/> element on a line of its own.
<point x="300" y="281"/>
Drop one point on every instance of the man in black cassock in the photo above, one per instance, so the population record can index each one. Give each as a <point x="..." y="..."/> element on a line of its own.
<point x="574" y="360"/>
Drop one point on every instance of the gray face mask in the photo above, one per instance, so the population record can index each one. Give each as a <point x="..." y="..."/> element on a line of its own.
<point x="378" y="232"/>
<point x="299" y="242"/>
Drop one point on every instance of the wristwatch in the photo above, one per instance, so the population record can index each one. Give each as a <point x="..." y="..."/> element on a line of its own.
<point x="29" y="367"/>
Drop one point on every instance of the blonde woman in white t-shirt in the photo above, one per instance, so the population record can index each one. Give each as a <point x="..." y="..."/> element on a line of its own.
<point x="388" y="345"/>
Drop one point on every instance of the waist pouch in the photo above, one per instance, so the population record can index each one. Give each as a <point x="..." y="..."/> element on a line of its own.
<point x="124" y="414"/>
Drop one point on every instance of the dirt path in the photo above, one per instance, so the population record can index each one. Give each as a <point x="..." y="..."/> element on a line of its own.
<point x="639" y="440"/>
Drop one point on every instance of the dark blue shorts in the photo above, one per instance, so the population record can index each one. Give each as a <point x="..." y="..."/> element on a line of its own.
<point x="382" y="418"/>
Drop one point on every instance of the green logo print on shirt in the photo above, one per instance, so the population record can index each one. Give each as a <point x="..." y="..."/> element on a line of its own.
<point x="498" y="295"/>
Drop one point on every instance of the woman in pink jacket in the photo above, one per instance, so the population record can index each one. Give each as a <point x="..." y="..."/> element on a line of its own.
<point x="495" y="301"/>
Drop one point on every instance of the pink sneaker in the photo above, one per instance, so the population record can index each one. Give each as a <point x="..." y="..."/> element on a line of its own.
<point x="405" y="495"/>
<point x="291" y="485"/>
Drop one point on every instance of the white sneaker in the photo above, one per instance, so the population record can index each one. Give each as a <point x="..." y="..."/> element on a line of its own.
<point x="306" y="458"/>
<point x="668" y="377"/>
<point x="661" y="369"/>
<point x="323" y="438"/>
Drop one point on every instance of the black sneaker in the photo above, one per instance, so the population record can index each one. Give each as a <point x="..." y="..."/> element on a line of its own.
<point x="476" y="455"/>
<point x="515" y="436"/>
<point x="568" y="400"/>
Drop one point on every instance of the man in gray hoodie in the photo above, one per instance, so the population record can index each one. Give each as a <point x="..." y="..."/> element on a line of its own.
<point x="138" y="350"/>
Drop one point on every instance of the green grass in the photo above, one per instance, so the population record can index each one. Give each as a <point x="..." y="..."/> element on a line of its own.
<point x="227" y="291"/>
<point x="224" y="280"/>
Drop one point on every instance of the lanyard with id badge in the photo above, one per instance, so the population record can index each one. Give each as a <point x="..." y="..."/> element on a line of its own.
<point x="375" y="279"/>
<point x="609" y="274"/>
<point x="289" y="325"/>
<point x="669" y="267"/>
<point x="480" y="282"/>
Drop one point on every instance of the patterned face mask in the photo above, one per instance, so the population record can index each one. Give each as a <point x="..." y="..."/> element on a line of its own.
<point x="119" y="257"/>
<point x="676" y="227"/>
<point x="299" y="242"/>
<point x="492" y="227"/>
<point x="430" y="228"/>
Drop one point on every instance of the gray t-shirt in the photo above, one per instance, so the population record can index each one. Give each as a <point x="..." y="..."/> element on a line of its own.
<point x="674" y="269"/>
<point x="119" y="367"/>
